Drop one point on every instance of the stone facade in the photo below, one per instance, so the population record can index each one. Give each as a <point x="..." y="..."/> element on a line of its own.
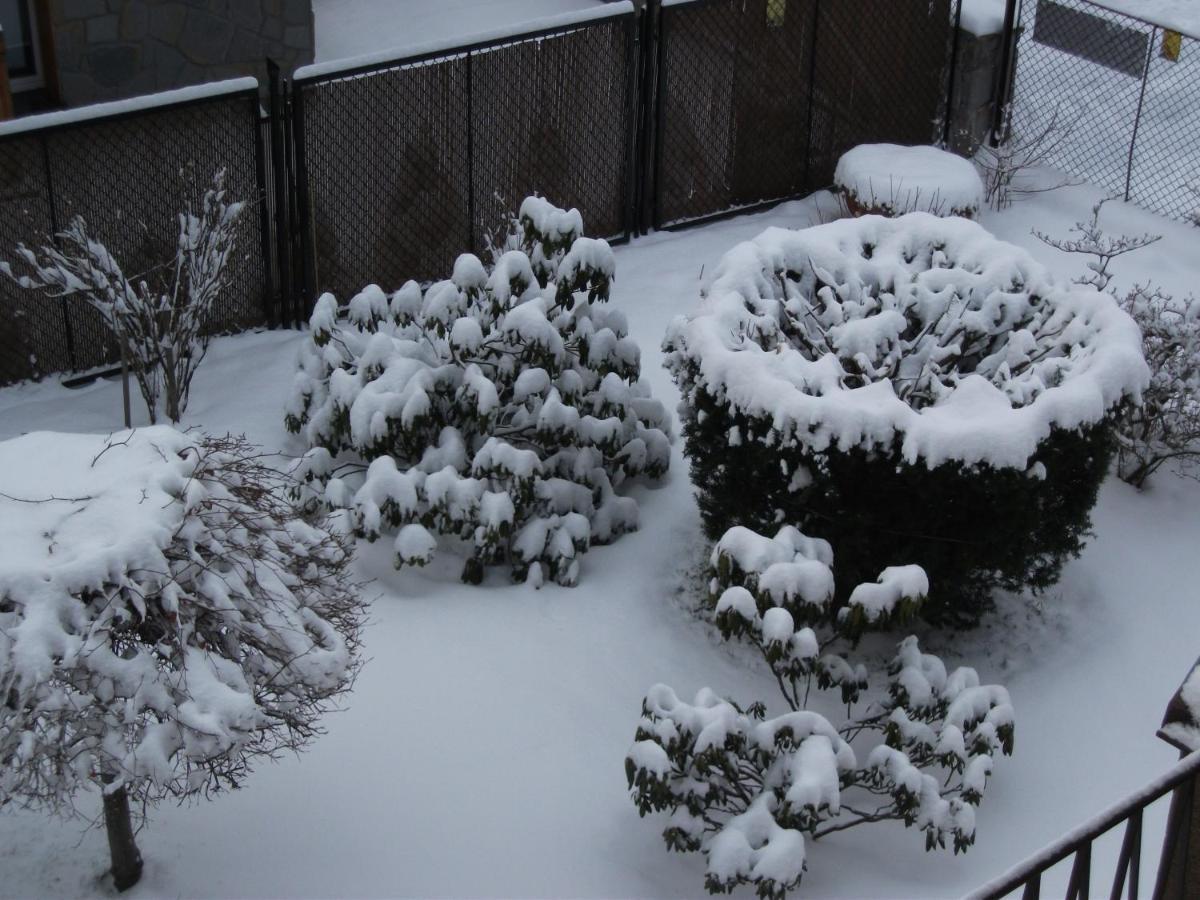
<point x="111" y="49"/>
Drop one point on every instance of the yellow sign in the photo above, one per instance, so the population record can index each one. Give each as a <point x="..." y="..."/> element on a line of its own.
<point x="1172" y="43"/>
<point x="776" y="11"/>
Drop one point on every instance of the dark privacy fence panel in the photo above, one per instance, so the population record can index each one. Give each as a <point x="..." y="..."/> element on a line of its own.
<point x="670" y="115"/>
<point x="881" y="77"/>
<point x="128" y="176"/>
<point x="733" y="104"/>
<point x="1114" y="101"/>
<point x="411" y="163"/>
<point x="757" y="99"/>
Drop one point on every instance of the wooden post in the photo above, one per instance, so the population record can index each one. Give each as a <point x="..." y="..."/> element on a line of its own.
<point x="6" y="104"/>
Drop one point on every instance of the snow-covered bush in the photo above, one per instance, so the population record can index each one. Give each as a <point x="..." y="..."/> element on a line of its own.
<point x="747" y="789"/>
<point x="891" y="180"/>
<point x="160" y="319"/>
<point x="1006" y="165"/>
<point x="166" y="616"/>
<point x="1165" y="426"/>
<point x="912" y="389"/>
<point x="502" y="407"/>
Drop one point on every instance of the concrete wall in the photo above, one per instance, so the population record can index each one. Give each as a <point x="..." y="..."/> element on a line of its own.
<point x="109" y="49"/>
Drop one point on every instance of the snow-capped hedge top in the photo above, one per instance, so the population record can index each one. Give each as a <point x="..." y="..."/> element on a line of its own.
<point x="900" y="179"/>
<point x="924" y="333"/>
<point x="73" y="523"/>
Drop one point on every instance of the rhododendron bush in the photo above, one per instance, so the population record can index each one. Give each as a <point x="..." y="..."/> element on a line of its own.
<point x="501" y="407"/>
<point x="751" y="791"/>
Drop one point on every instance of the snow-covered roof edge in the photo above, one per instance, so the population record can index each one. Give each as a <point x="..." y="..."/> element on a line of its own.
<point x="449" y="44"/>
<point x="131" y="104"/>
<point x="1173" y="15"/>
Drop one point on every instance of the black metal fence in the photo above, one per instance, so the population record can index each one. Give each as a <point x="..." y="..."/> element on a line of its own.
<point x="757" y="99"/>
<point x="1115" y="98"/>
<point x="404" y="165"/>
<point x="125" y="174"/>
<point x="657" y="117"/>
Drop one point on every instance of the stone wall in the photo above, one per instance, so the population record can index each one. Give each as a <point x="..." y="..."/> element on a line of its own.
<point x="110" y="49"/>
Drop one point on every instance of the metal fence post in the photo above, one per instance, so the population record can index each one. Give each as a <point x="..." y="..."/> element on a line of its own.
<point x="1006" y="82"/>
<point x="471" y="240"/>
<point x="633" y="96"/>
<point x="68" y="332"/>
<point x="305" y="213"/>
<point x="1137" y="119"/>
<point x="279" y="171"/>
<point x="812" y="92"/>
<point x="264" y="222"/>
<point x="953" y="76"/>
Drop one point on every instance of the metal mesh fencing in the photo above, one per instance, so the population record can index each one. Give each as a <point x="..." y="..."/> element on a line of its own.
<point x="128" y="176"/>
<point x="409" y="164"/>
<point x="732" y="105"/>
<point x="757" y="99"/>
<point x="1110" y="99"/>
<point x="882" y="71"/>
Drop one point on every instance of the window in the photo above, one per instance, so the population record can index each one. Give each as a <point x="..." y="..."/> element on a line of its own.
<point x="21" y="44"/>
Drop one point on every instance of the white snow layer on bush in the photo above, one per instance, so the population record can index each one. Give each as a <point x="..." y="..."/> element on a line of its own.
<point x="904" y="179"/>
<point x="918" y="330"/>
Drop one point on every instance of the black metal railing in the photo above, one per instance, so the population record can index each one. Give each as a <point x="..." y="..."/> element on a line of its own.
<point x="1077" y="844"/>
<point x="1118" y="94"/>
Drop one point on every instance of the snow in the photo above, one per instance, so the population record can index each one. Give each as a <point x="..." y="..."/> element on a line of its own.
<point x="142" y="103"/>
<point x="108" y="514"/>
<point x="803" y="330"/>
<point x="1177" y="15"/>
<point x="354" y="34"/>
<point x="903" y="179"/>
<point x="496" y="719"/>
<point x="982" y="17"/>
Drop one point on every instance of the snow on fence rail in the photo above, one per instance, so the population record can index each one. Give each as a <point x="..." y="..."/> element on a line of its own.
<point x="1078" y="843"/>
<point x="124" y="167"/>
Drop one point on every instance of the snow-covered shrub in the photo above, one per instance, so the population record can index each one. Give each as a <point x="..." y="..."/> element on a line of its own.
<point x="166" y="616"/>
<point x="891" y="180"/>
<point x="502" y="407"/>
<point x="160" y="319"/>
<point x="746" y="789"/>
<point x="1165" y="426"/>
<point x="1006" y="165"/>
<point x="911" y="389"/>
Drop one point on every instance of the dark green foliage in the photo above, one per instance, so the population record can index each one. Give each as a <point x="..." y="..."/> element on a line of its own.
<point x="973" y="529"/>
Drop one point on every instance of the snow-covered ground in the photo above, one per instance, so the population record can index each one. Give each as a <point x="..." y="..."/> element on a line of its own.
<point x="481" y="753"/>
<point x="347" y="28"/>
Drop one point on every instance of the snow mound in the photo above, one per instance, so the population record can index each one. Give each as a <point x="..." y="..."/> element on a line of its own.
<point x="895" y="179"/>
<point x="920" y="332"/>
<point x="74" y="515"/>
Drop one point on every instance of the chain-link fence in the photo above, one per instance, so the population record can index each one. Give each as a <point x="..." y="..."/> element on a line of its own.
<point x="127" y="175"/>
<point x="757" y="99"/>
<point x="407" y="164"/>
<point x="1112" y="100"/>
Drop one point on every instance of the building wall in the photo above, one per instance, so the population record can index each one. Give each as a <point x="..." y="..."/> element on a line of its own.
<point x="110" y="49"/>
